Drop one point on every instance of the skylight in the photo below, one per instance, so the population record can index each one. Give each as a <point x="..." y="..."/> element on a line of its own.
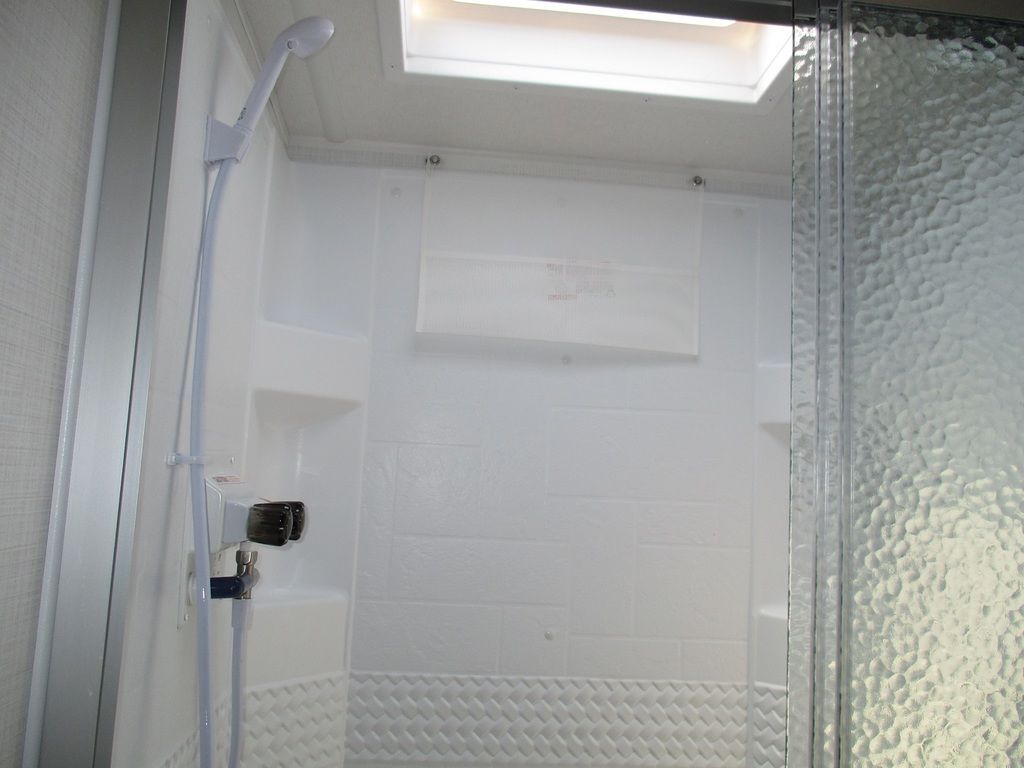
<point x="542" y="43"/>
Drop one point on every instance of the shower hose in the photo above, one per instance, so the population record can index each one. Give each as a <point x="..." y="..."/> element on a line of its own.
<point x="200" y="524"/>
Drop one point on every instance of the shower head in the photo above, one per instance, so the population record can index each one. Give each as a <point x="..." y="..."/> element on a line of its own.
<point x="303" y="38"/>
<point x="306" y="37"/>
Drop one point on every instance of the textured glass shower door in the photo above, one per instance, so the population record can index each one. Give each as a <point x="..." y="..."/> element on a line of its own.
<point x="909" y="351"/>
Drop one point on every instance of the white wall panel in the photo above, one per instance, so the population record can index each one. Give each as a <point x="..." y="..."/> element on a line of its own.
<point x="604" y="499"/>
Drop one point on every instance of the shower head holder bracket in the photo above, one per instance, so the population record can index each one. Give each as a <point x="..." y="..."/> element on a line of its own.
<point x="224" y="142"/>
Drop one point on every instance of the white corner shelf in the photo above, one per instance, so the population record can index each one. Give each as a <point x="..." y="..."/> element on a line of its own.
<point x="311" y="627"/>
<point x="305" y="369"/>
<point x="772" y="394"/>
<point x="772" y="627"/>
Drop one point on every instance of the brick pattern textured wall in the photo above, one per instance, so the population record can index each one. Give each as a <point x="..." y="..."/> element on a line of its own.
<point x="541" y="519"/>
<point x="288" y="724"/>
<point x="463" y="720"/>
<point x="767" y="727"/>
<point x="558" y="510"/>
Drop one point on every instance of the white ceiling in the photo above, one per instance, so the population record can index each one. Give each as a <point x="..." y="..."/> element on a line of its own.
<point x="341" y="95"/>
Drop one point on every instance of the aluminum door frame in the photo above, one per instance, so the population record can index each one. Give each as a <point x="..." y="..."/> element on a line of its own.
<point x="93" y="568"/>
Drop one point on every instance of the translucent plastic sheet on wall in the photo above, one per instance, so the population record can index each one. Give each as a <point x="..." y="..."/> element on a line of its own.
<point x="561" y="261"/>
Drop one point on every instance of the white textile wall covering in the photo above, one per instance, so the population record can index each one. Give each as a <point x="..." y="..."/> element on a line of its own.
<point x="49" y="63"/>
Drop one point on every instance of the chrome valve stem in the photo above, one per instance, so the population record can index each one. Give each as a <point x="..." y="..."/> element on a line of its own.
<point x="245" y="560"/>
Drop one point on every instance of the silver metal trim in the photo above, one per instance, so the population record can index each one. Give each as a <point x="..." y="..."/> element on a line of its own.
<point x="121" y="577"/>
<point x="78" y="720"/>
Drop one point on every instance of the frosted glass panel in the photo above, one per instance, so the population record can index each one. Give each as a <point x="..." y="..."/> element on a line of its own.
<point x="551" y="260"/>
<point x="934" y="276"/>
<point x="814" y="284"/>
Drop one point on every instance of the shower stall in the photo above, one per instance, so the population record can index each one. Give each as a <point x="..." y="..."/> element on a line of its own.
<point x="612" y="463"/>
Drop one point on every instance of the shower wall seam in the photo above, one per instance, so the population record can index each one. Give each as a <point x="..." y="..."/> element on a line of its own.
<point x="363" y="435"/>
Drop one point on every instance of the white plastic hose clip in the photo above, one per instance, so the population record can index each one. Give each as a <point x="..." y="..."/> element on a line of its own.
<point x="180" y="458"/>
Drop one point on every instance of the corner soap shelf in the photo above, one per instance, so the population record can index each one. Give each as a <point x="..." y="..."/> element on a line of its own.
<point x="308" y="391"/>
<point x="308" y="373"/>
<point x="772" y="387"/>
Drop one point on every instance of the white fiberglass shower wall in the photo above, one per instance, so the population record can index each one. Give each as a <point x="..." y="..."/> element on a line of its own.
<point x="285" y="404"/>
<point x="542" y="553"/>
<point x="557" y="543"/>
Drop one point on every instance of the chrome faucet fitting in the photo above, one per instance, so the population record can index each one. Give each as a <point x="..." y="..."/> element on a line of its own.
<point x="245" y="560"/>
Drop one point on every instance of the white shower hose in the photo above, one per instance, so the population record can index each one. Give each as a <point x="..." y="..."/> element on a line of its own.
<point x="197" y="482"/>
<point x="240" y="614"/>
<point x="303" y="38"/>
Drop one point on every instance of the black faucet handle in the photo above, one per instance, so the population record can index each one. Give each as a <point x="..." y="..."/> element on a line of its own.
<point x="270" y="523"/>
<point x="298" y="519"/>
